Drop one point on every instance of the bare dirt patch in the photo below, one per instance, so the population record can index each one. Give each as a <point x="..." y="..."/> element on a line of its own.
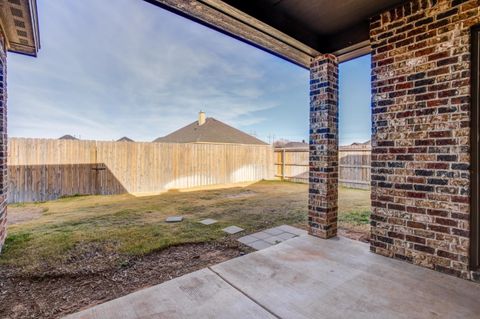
<point x="54" y="294"/>
<point x="18" y="215"/>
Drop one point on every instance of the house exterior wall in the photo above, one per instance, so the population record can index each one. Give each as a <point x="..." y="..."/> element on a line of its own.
<point x="3" y="141"/>
<point x="323" y="170"/>
<point x="421" y="119"/>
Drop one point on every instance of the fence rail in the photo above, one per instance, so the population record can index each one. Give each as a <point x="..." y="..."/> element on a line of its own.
<point x="353" y="166"/>
<point x="45" y="169"/>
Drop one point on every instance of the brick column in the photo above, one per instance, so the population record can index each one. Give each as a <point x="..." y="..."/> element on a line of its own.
<point x="3" y="141"/>
<point x="323" y="175"/>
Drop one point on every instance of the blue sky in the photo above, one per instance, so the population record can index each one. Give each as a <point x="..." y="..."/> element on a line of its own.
<point x="136" y="70"/>
<point x="354" y="101"/>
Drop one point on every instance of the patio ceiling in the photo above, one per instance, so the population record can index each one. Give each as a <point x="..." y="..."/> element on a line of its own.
<point x="296" y="30"/>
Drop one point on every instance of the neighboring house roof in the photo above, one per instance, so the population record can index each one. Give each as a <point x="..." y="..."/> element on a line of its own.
<point x="357" y="146"/>
<point x="212" y="131"/>
<point x="364" y="143"/>
<point x="68" y="137"/>
<point x="125" y="139"/>
<point x="295" y="145"/>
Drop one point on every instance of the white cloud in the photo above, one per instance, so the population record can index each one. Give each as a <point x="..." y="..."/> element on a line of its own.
<point x="105" y="71"/>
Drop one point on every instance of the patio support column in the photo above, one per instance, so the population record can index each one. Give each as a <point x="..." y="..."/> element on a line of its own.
<point x="323" y="175"/>
<point x="3" y="140"/>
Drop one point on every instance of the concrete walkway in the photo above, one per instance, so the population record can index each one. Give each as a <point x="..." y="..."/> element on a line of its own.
<point x="272" y="236"/>
<point x="304" y="277"/>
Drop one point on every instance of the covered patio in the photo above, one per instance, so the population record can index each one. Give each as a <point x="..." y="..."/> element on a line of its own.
<point x="425" y="132"/>
<point x="425" y="168"/>
<point x="304" y="277"/>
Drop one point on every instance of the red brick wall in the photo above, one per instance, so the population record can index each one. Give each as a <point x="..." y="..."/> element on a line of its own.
<point x="3" y="141"/>
<point x="420" y="151"/>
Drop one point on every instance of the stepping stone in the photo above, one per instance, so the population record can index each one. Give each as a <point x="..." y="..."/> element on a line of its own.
<point x="232" y="229"/>
<point x="208" y="221"/>
<point x="174" y="219"/>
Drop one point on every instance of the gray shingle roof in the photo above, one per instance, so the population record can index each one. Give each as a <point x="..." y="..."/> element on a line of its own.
<point x="67" y="137"/>
<point x="212" y="131"/>
<point x="125" y="139"/>
<point x="296" y="145"/>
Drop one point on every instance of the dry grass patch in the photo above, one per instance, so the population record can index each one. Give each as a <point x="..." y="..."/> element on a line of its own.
<point x="354" y="213"/>
<point x="117" y="227"/>
<point x="120" y="226"/>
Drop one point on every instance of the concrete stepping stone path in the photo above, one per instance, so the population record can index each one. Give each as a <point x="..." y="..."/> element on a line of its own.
<point x="208" y="221"/>
<point x="174" y="219"/>
<point x="272" y="236"/>
<point x="232" y="230"/>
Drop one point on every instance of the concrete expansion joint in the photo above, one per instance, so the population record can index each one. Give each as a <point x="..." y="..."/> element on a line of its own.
<point x="244" y="293"/>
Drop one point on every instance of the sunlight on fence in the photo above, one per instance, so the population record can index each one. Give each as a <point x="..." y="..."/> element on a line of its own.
<point x="45" y="169"/>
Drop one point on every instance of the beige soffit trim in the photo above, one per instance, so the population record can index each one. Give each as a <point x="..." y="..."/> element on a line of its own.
<point x="35" y="24"/>
<point x="354" y="51"/>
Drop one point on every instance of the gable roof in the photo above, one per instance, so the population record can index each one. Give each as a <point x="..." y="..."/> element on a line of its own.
<point x="212" y="131"/>
<point x="296" y="145"/>
<point x="125" y="139"/>
<point x="68" y="137"/>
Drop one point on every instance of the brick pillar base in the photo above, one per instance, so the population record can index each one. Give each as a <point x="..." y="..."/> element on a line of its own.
<point x="323" y="175"/>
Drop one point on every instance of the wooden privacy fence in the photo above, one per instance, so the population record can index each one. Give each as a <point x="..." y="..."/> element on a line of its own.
<point x="353" y="170"/>
<point x="292" y="164"/>
<point x="354" y="163"/>
<point x="45" y="169"/>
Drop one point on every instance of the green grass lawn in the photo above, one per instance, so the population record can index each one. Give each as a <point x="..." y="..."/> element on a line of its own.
<point x="124" y="225"/>
<point x="354" y="210"/>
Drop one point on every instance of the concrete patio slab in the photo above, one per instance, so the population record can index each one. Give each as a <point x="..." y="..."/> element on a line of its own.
<point x="259" y="244"/>
<point x="247" y="239"/>
<point x="285" y="236"/>
<point x="293" y="230"/>
<point x="261" y="235"/>
<point x="274" y="240"/>
<point x="201" y="294"/>
<point x="307" y="277"/>
<point x="271" y="236"/>
<point x="208" y="221"/>
<point x="232" y="229"/>
<point x="303" y="277"/>
<point x="274" y="231"/>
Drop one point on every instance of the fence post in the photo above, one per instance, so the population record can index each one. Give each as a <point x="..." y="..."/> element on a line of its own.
<point x="283" y="164"/>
